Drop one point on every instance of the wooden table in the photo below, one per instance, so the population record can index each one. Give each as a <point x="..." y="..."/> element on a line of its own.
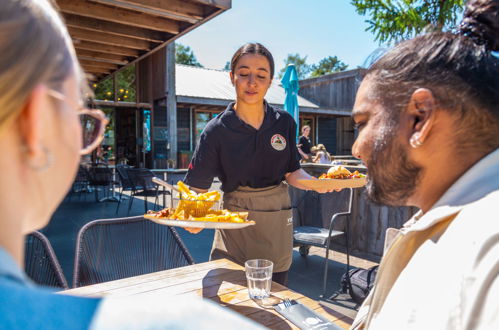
<point x="221" y="281"/>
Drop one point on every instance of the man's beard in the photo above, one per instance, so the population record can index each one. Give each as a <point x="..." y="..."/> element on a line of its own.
<point x="392" y="177"/>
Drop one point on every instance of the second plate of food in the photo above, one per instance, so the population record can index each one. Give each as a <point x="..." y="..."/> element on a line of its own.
<point x="333" y="183"/>
<point x="199" y="224"/>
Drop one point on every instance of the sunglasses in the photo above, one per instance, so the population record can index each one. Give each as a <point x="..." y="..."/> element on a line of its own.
<point x="93" y="123"/>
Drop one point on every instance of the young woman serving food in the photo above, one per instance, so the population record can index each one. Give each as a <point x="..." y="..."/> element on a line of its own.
<point x="251" y="148"/>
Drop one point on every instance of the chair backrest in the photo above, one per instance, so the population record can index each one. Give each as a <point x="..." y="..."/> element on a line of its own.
<point x="40" y="262"/>
<point x="142" y="178"/>
<point x="112" y="249"/>
<point x="100" y="175"/>
<point x="123" y="170"/>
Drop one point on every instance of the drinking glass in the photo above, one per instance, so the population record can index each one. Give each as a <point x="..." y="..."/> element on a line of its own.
<point x="259" y="276"/>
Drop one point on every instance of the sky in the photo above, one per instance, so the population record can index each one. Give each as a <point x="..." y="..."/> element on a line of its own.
<point x="312" y="28"/>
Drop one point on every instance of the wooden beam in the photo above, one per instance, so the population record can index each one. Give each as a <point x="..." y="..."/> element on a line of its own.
<point x="101" y="57"/>
<point x="99" y="64"/>
<point x="222" y="4"/>
<point x="109" y="39"/>
<point x="118" y="15"/>
<point x="93" y="69"/>
<point x="178" y="10"/>
<point x="94" y="46"/>
<point x="93" y="24"/>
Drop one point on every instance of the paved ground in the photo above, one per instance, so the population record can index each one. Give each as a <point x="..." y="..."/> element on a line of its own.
<point x="305" y="276"/>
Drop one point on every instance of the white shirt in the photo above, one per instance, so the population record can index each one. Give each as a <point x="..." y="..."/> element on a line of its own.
<point x="451" y="282"/>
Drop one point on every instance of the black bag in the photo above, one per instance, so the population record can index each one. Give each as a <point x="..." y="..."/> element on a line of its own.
<point x="359" y="283"/>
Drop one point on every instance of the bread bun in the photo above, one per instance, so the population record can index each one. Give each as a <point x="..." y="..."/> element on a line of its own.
<point x="338" y="170"/>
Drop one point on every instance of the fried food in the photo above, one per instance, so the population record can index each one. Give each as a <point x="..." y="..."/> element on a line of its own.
<point x="340" y="172"/>
<point x="197" y="207"/>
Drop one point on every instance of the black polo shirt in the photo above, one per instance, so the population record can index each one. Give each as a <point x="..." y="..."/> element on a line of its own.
<point x="305" y="144"/>
<point x="240" y="155"/>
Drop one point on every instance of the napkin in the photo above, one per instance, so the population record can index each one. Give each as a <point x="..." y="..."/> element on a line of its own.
<point x="303" y="317"/>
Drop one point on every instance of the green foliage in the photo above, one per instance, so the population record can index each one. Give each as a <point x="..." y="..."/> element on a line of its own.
<point x="125" y="79"/>
<point x="396" y="20"/>
<point x="328" y="65"/>
<point x="185" y="55"/>
<point x="300" y="63"/>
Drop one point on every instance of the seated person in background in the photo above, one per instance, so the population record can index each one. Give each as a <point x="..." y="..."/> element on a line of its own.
<point x="41" y="143"/>
<point x="436" y="100"/>
<point x="322" y="156"/>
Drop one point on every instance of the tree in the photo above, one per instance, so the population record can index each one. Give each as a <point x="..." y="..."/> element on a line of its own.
<point x="185" y="55"/>
<point x="300" y="63"/>
<point x="327" y="65"/>
<point x="395" y="20"/>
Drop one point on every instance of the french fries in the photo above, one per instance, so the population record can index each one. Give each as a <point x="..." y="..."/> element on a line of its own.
<point x="197" y="207"/>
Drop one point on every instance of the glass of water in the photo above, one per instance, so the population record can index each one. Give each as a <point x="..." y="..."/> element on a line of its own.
<point x="259" y="276"/>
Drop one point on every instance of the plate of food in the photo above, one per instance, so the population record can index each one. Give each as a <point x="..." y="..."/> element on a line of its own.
<point x="199" y="211"/>
<point x="337" y="177"/>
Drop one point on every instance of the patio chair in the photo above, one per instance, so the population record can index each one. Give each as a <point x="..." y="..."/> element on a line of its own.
<point x="113" y="249"/>
<point x="143" y="186"/>
<point x="101" y="176"/>
<point x="124" y="181"/>
<point x="40" y="262"/>
<point x="306" y="236"/>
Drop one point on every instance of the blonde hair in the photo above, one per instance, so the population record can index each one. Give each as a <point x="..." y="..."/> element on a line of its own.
<point x="35" y="48"/>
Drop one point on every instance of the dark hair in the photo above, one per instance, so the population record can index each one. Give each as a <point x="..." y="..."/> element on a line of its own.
<point x="252" y="48"/>
<point x="459" y="69"/>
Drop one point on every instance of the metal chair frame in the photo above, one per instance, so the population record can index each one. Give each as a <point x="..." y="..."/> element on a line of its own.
<point x="30" y="265"/>
<point x="122" y="221"/>
<point x="332" y="234"/>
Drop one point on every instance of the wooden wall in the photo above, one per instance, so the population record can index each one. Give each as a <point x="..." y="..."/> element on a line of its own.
<point x="336" y="91"/>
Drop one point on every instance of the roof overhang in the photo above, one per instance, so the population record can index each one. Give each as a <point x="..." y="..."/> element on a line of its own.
<point x="110" y="34"/>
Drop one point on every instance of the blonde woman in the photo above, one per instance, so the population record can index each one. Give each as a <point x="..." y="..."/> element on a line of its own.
<point x="322" y="156"/>
<point x="41" y="143"/>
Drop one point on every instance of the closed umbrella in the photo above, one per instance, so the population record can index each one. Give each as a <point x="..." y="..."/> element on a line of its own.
<point x="291" y="86"/>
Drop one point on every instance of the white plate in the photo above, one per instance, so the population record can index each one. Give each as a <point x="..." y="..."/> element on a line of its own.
<point x="333" y="183"/>
<point x="199" y="224"/>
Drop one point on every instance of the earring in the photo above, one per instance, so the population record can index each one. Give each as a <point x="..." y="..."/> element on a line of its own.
<point x="48" y="159"/>
<point x="414" y="141"/>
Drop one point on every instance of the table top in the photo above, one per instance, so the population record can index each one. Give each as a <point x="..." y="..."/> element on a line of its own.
<point x="221" y="281"/>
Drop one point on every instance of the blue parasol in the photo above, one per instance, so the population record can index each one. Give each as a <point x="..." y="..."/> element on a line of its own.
<point x="290" y="83"/>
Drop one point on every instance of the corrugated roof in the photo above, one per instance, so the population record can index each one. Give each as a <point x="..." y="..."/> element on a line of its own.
<point x="215" y="84"/>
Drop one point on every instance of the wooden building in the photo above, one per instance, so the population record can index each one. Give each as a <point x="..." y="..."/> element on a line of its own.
<point x="335" y="95"/>
<point x="112" y="36"/>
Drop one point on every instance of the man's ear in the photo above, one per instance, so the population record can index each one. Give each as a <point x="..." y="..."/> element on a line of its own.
<point x="422" y="109"/>
<point x="30" y="123"/>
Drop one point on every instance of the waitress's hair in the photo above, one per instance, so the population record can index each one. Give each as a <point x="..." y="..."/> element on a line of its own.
<point x="35" y="48"/>
<point x="459" y="69"/>
<point x="252" y="48"/>
<point x="304" y="128"/>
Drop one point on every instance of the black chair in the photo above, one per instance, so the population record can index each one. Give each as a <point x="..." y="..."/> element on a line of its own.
<point x="112" y="249"/>
<point x="101" y="176"/>
<point x="40" y="262"/>
<point x="143" y="186"/>
<point x="306" y="236"/>
<point x="124" y="181"/>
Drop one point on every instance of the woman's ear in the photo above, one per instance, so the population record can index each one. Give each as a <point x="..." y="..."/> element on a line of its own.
<point x="30" y="123"/>
<point x="422" y="111"/>
<point x="231" y="75"/>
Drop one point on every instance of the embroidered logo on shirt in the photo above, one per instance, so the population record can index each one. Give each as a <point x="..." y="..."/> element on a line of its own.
<point x="278" y="142"/>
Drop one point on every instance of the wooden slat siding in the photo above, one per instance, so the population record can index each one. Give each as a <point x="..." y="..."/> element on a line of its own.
<point x="109" y="39"/>
<point x="92" y="24"/>
<point x="160" y="8"/>
<point x="158" y="74"/>
<point x="118" y="15"/>
<point x="100" y="56"/>
<point x="94" y="46"/>
<point x="101" y="60"/>
<point x="92" y="69"/>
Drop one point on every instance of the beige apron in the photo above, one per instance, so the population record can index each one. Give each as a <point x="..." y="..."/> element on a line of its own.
<point x="272" y="236"/>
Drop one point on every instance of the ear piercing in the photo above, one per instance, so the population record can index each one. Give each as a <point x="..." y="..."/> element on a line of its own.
<point x="415" y="141"/>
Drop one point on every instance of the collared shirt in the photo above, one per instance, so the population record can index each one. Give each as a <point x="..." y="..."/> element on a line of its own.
<point x="451" y="281"/>
<point x="26" y="306"/>
<point x="241" y="155"/>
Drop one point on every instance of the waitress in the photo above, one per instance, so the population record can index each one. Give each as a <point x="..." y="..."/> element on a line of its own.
<point x="251" y="148"/>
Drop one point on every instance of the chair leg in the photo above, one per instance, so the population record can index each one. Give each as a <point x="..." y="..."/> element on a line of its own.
<point x="119" y="201"/>
<point x="130" y="203"/>
<point x="324" y="283"/>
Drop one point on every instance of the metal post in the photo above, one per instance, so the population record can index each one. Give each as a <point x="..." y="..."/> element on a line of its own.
<point x="171" y="101"/>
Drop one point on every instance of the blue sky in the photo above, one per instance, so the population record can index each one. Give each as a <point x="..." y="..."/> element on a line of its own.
<point x="316" y="28"/>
